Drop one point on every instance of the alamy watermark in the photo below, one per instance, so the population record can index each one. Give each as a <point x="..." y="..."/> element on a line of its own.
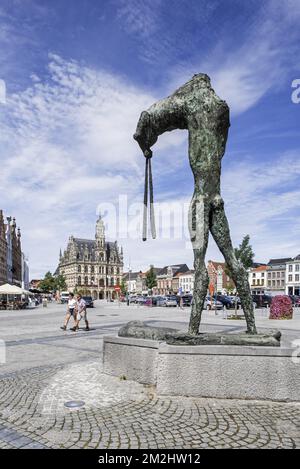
<point x="296" y="93"/>
<point x="2" y="92"/>
<point x="173" y="220"/>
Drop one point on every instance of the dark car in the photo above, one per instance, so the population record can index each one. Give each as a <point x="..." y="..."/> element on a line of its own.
<point x="262" y="301"/>
<point x="295" y="299"/>
<point x="186" y="300"/>
<point x="88" y="301"/>
<point x="227" y="301"/>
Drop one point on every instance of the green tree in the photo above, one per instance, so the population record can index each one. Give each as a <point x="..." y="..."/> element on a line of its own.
<point x="244" y="253"/>
<point x="48" y="283"/>
<point x="151" y="278"/>
<point x="123" y="287"/>
<point x="60" y="283"/>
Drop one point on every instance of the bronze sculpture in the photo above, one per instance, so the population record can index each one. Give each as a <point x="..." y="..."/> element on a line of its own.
<point x="196" y="107"/>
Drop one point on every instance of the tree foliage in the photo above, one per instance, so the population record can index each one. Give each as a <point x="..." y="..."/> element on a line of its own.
<point x="151" y="278"/>
<point x="51" y="283"/>
<point x="244" y="253"/>
<point x="123" y="287"/>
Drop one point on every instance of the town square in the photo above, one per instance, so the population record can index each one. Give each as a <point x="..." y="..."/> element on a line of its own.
<point x="149" y="229"/>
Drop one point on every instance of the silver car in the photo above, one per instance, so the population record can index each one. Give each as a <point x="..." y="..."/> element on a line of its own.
<point x="171" y="301"/>
<point x="213" y="304"/>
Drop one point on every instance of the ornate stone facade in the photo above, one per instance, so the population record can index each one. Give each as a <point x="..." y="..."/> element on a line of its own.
<point x="16" y="255"/>
<point x="11" y="257"/>
<point x="3" y="251"/>
<point x="93" y="266"/>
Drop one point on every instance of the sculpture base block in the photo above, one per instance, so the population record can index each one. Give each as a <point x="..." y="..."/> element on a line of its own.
<point x="219" y="371"/>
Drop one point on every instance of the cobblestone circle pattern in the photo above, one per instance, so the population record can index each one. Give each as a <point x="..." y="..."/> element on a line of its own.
<point x="32" y="415"/>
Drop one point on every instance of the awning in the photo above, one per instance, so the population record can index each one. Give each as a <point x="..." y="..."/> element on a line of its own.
<point x="8" y="289"/>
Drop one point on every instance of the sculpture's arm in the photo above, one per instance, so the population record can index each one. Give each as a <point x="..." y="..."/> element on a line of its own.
<point x="165" y="115"/>
<point x="144" y="134"/>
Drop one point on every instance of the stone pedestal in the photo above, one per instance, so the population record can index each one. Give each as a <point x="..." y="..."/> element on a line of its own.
<point x="218" y="371"/>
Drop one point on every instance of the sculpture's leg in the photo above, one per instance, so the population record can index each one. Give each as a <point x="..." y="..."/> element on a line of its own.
<point x="199" y="231"/>
<point x="220" y="231"/>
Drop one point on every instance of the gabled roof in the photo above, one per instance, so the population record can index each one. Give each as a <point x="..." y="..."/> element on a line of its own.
<point x="188" y="272"/>
<point x="175" y="267"/>
<point x="133" y="275"/>
<point x="282" y="260"/>
<point x="260" y="268"/>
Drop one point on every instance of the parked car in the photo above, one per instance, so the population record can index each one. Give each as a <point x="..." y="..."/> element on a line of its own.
<point x="171" y="301"/>
<point x="186" y="300"/>
<point x="161" y="301"/>
<point x="235" y="299"/>
<point x="132" y="298"/>
<point x="141" y="300"/>
<point x="88" y="301"/>
<point x="156" y="300"/>
<point x="212" y="303"/>
<point x="227" y="301"/>
<point x="295" y="300"/>
<point x="262" y="301"/>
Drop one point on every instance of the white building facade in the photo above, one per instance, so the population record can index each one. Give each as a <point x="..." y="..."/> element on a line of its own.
<point x="258" y="279"/>
<point x="293" y="276"/>
<point x="276" y="276"/>
<point x="186" y="282"/>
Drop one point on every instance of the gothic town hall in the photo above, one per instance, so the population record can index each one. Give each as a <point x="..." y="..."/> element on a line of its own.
<point x="92" y="266"/>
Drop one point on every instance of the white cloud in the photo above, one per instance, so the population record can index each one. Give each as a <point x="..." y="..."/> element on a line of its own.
<point x="242" y="75"/>
<point x="260" y="200"/>
<point x="66" y="145"/>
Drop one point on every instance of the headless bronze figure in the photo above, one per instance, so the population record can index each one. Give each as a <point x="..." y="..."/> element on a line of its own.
<point x="196" y="107"/>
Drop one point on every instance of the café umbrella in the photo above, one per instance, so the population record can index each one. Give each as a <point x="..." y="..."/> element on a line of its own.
<point x="8" y="289"/>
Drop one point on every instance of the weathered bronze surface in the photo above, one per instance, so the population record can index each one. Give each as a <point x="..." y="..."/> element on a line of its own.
<point x="140" y="330"/>
<point x="267" y="340"/>
<point x="196" y="107"/>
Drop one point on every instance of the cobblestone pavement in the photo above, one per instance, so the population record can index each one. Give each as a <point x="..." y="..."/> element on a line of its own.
<point x="124" y="414"/>
<point x="45" y="367"/>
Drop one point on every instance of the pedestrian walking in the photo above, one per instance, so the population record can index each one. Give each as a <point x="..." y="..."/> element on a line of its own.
<point x="80" y="314"/>
<point x="70" y="311"/>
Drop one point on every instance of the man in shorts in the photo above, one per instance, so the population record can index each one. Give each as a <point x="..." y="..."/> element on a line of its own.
<point x="70" y="310"/>
<point x="80" y="313"/>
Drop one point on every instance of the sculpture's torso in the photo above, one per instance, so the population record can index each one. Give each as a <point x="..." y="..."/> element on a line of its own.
<point x="196" y="107"/>
<point x="208" y="129"/>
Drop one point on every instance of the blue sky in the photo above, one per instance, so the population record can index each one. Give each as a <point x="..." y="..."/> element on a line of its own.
<point x="77" y="76"/>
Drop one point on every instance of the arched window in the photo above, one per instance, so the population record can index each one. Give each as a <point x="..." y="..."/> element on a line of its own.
<point x="79" y="269"/>
<point x="85" y="269"/>
<point x="79" y="280"/>
<point x="86" y="280"/>
<point x="92" y="269"/>
<point x="101" y="257"/>
<point x="101" y="282"/>
<point x="112" y="282"/>
<point x="118" y="270"/>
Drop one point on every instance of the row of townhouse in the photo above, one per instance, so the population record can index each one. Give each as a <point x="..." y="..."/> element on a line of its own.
<point x="278" y="277"/>
<point x="178" y="278"/>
